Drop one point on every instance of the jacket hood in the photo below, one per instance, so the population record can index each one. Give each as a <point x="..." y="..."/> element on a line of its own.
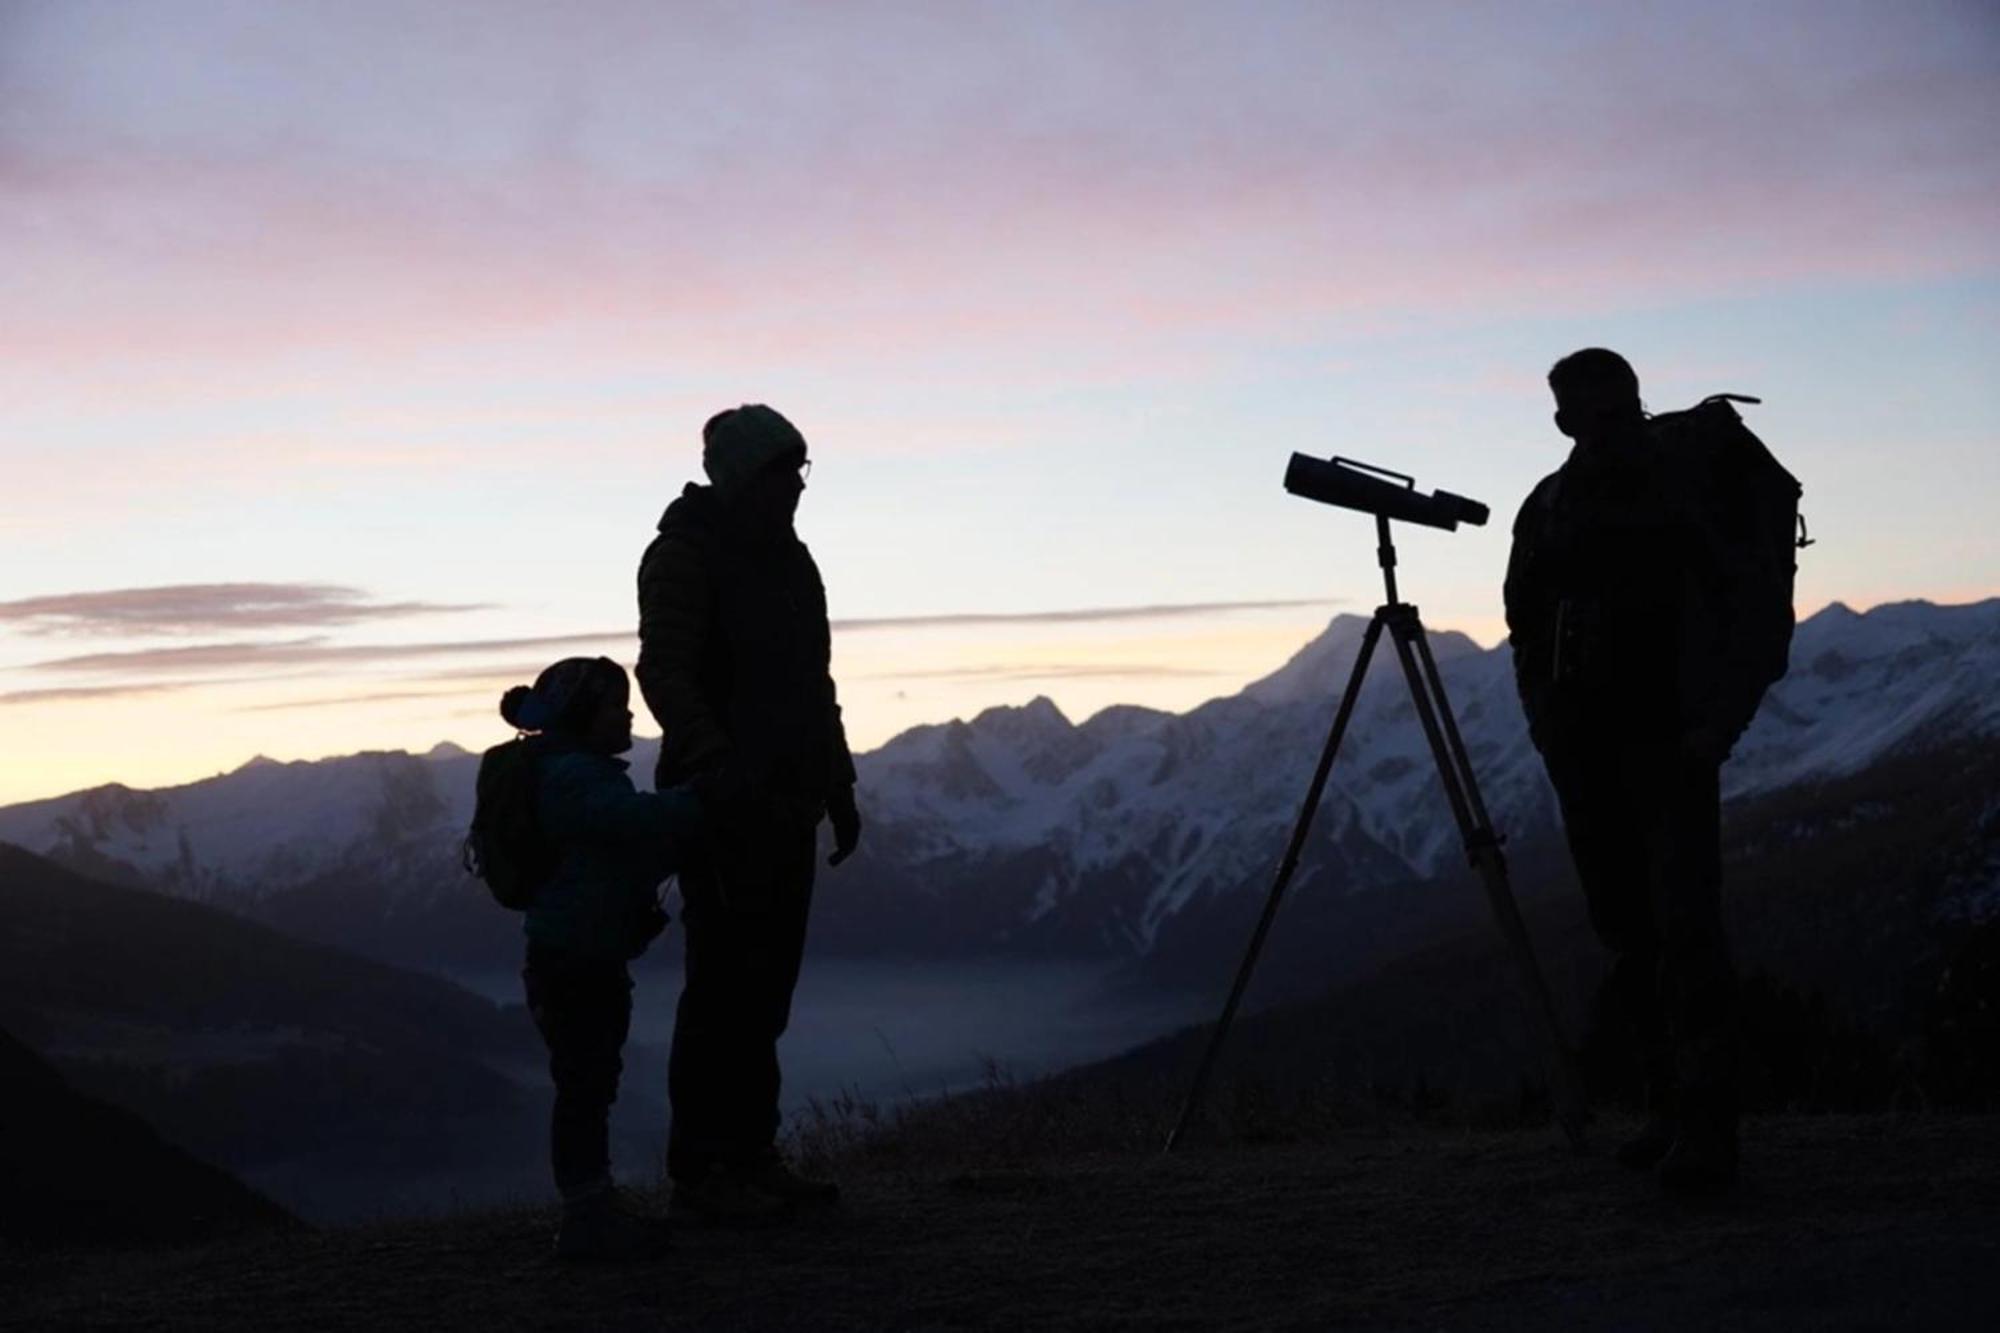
<point x="700" y="513"/>
<point x="695" y="507"/>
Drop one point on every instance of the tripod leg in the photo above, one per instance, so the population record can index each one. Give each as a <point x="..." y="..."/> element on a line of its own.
<point x="1454" y="742"/>
<point x="1482" y="846"/>
<point x="1286" y="868"/>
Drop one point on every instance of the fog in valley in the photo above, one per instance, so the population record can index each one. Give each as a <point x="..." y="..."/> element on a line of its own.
<point x="885" y="1032"/>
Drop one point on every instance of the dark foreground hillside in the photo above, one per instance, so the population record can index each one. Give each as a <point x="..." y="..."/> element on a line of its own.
<point x="1845" y="1223"/>
<point x="297" y="1067"/>
<point x="76" y="1171"/>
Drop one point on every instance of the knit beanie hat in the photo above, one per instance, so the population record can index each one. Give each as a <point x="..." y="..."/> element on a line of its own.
<point x="737" y="443"/>
<point x="565" y="695"/>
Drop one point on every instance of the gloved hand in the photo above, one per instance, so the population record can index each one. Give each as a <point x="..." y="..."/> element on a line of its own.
<point x="846" y="819"/>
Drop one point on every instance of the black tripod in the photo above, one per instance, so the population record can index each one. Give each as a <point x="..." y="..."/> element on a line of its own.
<point x="1482" y="845"/>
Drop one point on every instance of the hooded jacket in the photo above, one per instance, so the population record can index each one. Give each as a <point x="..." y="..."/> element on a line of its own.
<point x="734" y="656"/>
<point x="613" y="846"/>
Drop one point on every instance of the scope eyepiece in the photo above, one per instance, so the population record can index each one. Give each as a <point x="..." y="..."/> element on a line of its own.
<point x="1360" y="486"/>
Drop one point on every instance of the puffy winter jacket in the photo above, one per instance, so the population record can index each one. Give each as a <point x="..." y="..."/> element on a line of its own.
<point x="734" y="653"/>
<point x="614" y="846"/>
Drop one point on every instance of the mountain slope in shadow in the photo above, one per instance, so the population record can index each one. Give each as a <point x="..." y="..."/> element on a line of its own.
<point x="310" y="1072"/>
<point x="79" y="1172"/>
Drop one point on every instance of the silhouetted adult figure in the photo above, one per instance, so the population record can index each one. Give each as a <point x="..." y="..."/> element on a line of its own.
<point x="1632" y="702"/>
<point x="733" y="662"/>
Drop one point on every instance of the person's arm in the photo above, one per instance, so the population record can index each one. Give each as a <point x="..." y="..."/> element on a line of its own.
<point x="673" y="628"/>
<point x="1528" y="631"/>
<point x="841" y="807"/>
<point x="583" y="800"/>
<point x="843" y="759"/>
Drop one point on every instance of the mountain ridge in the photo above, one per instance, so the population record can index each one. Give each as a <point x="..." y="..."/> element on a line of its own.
<point x="1020" y="831"/>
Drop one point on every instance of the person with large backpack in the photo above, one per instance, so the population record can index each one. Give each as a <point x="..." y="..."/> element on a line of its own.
<point x="560" y="834"/>
<point x="1649" y="607"/>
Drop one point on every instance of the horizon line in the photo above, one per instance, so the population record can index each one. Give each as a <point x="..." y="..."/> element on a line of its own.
<point x="1988" y="599"/>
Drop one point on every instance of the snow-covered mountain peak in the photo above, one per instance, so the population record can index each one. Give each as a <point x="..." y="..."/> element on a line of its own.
<point x="1863" y="684"/>
<point x="1893" y="627"/>
<point x="1314" y="670"/>
<point x="1122" y="722"/>
<point x="1448" y="645"/>
<point x="1319" y="670"/>
<point x="1036" y="718"/>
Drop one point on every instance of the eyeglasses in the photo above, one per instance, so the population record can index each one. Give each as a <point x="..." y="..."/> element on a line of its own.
<point x="785" y="465"/>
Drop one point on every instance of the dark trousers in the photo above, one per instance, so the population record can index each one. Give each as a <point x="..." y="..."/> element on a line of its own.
<point x="583" y="1008"/>
<point x="744" y="914"/>
<point x="1644" y="826"/>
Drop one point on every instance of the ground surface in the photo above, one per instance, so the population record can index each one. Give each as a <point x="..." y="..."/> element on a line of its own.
<point x="1843" y="1223"/>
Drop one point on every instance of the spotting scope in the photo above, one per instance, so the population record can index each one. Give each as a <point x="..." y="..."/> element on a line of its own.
<point x="1362" y="486"/>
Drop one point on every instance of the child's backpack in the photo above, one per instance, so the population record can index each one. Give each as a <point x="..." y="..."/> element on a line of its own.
<point x="1748" y="505"/>
<point x="505" y="846"/>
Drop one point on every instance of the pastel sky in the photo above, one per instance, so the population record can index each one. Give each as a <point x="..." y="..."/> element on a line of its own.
<point x="349" y="350"/>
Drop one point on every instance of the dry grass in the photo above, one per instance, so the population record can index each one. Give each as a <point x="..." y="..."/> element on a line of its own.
<point x="1006" y="1122"/>
<point x="1844" y="1223"/>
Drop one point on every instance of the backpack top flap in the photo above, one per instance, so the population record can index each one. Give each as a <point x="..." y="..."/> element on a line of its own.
<point x="505" y="846"/>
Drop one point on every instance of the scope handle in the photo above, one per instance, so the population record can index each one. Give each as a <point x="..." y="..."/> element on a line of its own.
<point x="1409" y="482"/>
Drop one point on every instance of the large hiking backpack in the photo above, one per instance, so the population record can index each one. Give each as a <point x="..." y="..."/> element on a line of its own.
<point x="505" y="846"/>
<point x="1746" y="509"/>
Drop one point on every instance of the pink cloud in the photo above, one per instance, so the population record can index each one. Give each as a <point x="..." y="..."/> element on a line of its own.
<point x="964" y="222"/>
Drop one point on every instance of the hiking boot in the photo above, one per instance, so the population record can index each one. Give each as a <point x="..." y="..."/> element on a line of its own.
<point x="1651" y="1146"/>
<point x="1700" y="1165"/>
<point x="623" y="1201"/>
<point x="601" y="1229"/>
<point x="724" y="1198"/>
<point x="774" y="1176"/>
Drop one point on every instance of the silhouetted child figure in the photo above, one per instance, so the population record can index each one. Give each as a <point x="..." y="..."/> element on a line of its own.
<point x="607" y="847"/>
